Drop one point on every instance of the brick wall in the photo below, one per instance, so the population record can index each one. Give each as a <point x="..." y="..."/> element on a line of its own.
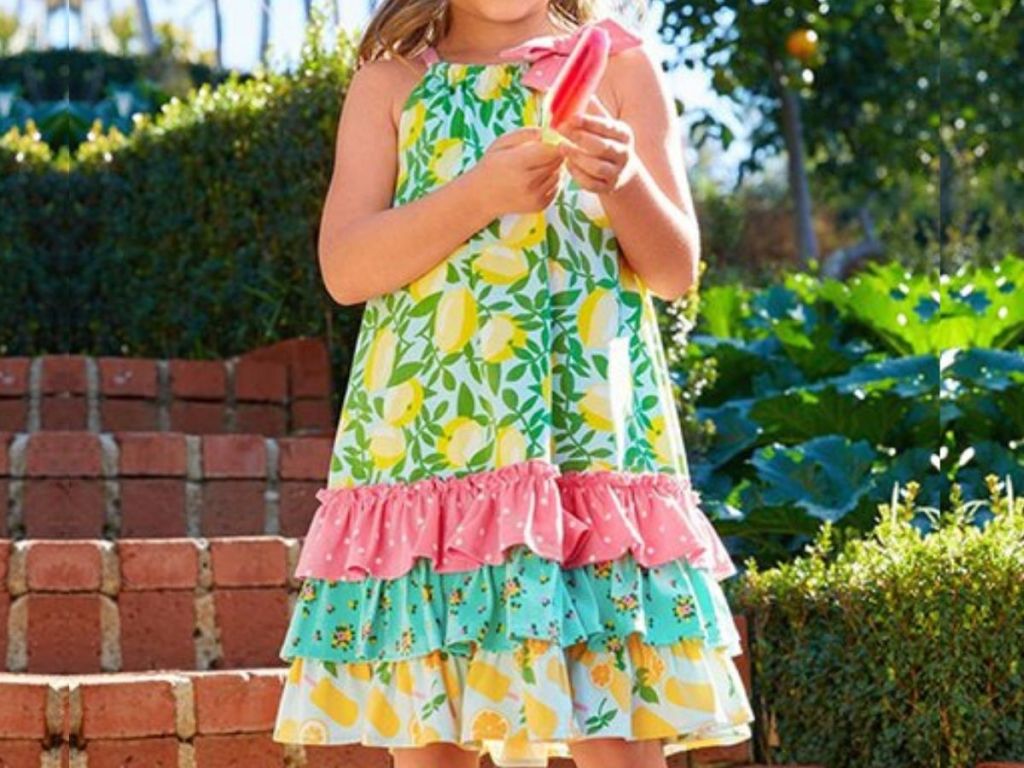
<point x="282" y="389"/>
<point x="70" y="484"/>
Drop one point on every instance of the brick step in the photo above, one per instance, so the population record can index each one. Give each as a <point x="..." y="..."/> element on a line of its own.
<point x="281" y="389"/>
<point x="182" y="720"/>
<point x="90" y="606"/>
<point x="78" y="485"/>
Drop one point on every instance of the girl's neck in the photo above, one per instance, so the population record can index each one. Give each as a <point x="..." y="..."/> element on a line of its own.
<point x="472" y="39"/>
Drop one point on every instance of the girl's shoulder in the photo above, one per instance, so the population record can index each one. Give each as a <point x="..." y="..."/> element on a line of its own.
<point x="388" y="81"/>
<point x="630" y="72"/>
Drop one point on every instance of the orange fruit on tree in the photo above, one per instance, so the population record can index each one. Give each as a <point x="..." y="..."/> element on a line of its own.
<point x="802" y="44"/>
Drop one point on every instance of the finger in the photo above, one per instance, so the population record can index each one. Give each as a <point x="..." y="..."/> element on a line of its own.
<point x="591" y="145"/>
<point x="596" y="106"/>
<point x="518" y="136"/>
<point x="601" y="125"/>
<point x="587" y="176"/>
<point x="540" y="156"/>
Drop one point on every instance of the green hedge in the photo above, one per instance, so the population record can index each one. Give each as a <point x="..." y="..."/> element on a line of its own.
<point x="897" y="649"/>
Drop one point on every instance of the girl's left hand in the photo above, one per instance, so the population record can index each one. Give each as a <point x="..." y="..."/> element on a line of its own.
<point x="604" y="156"/>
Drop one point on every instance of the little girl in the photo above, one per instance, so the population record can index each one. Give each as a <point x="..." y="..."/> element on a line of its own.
<point x="508" y="556"/>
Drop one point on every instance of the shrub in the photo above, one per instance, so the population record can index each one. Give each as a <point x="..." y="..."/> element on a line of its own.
<point x="897" y="649"/>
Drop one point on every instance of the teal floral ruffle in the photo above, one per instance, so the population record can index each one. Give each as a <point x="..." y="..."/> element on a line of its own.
<point x="498" y="606"/>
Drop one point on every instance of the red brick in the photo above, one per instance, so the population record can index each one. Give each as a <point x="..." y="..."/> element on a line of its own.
<point x="249" y="562"/>
<point x="59" y="412"/>
<point x="125" y="415"/>
<point x="5" y="610"/>
<point x="152" y="508"/>
<point x="307" y="361"/>
<point x="152" y="453"/>
<point x="312" y="417"/>
<point x="13" y="376"/>
<point x="252" y="623"/>
<point x="743" y="662"/>
<point x="5" y="553"/>
<point x="352" y="756"/>
<point x="4" y="503"/>
<point x="5" y="447"/>
<point x="237" y="702"/>
<point x="148" y="565"/>
<point x="127" y="707"/>
<point x="63" y="454"/>
<point x="63" y="374"/>
<point x="157" y="630"/>
<point x="234" y="456"/>
<point x="21" y="754"/>
<point x="197" y="418"/>
<point x="199" y="379"/>
<point x="63" y="634"/>
<point x="22" y="708"/>
<point x="233" y="508"/>
<point x="127" y="377"/>
<point x="129" y="753"/>
<point x="305" y="458"/>
<point x="64" y="508"/>
<point x="297" y="503"/>
<point x="230" y="751"/>
<point x="64" y="566"/>
<point x="260" y="381"/>
<point x="711" y="757"/>
<point x="13" y="414"/>
<point x="261" y="419"/>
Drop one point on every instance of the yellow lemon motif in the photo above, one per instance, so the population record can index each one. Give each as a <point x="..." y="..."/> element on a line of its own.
<point x="411" y="124"/>
<point x="511" y="446"/>
<point x="540" y="718"/>
<point x="461" y="440"/>
<point x="691" y="695"/>
<point x="660" y="439"/>
<point x="492" y="81"/>
<point x="600" y="465"/>
<point x="402" y="403"/>
<point x="381" y="714"/>
<point x="558" y="674"/>
<point x="646" y="657"/>
<point x="621" y="688"/>
<point x="455" y="320"/>
<point x="360" y="670"/>
<point x="456" y="73"/>
<point x="422" y="734"/>
<point x="287" y="731"/>
<point x="545" y="387"/>
<point x="488" y="680"/>
<point x="403" y="677"/>
<point x="387" y="445"/>
<point x="688" y="648"/>
<point x="339" y="707"/>
<point x="313" y="732"/>
<point x="430" y="282"/>
<point x="522" y="230"/>
<point x="596" y="408"/>
<point x="380" y="359"/>
<point x="531" y="109"/>
<point x="598" y="318"/>
<point x="452" y="687"/>
<point x="295" y="671"/>
<point x="647" y="725"/>
<point x="500" y="265"/>
<point x="445" y="161"/>
<point x="489" y="724"/>
<point x="592" y="208"/>
<point x="499" y="338"/>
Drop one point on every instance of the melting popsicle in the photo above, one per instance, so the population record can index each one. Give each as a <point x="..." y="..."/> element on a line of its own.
<point x="577" y="81"/>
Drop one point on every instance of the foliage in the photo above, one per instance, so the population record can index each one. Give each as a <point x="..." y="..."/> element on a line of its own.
<point x="195" y="235"/>
<point x="817" y="396"/>
<point x="897" y="648"/>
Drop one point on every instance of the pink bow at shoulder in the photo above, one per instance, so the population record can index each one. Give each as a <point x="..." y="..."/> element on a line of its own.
<point x="549" y="52"/>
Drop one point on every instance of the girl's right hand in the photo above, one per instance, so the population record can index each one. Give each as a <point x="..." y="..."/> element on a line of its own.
<point x="518" y="173"/>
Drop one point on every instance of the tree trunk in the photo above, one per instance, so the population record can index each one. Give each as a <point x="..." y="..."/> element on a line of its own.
<point x="840" y="264"/>
<point x="218" y="33"/>
<point x="146" y="26"/>
<point x="264" y="30"/>
<point x="799" y="186"/>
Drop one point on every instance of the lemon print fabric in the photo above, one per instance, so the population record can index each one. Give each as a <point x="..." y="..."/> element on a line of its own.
<point x="571" y="589"/>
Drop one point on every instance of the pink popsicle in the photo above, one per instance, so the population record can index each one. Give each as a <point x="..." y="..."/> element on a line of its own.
<point x="579" y="76"/>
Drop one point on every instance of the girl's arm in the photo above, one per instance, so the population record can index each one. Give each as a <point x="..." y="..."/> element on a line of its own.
<point x="651" y="211"/>
<point x="368" y="248"/>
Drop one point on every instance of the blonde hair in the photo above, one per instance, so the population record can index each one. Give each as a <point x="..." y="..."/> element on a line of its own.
<point x="403" y="28"/>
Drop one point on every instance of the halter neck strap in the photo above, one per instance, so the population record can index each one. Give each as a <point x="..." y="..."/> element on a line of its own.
<point x="429" y="55"/>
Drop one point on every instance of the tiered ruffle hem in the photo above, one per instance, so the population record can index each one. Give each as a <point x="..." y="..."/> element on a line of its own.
<point x="513" y="611"/>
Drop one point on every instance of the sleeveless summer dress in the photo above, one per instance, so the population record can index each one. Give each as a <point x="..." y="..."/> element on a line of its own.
<point x="508" y="554"/>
